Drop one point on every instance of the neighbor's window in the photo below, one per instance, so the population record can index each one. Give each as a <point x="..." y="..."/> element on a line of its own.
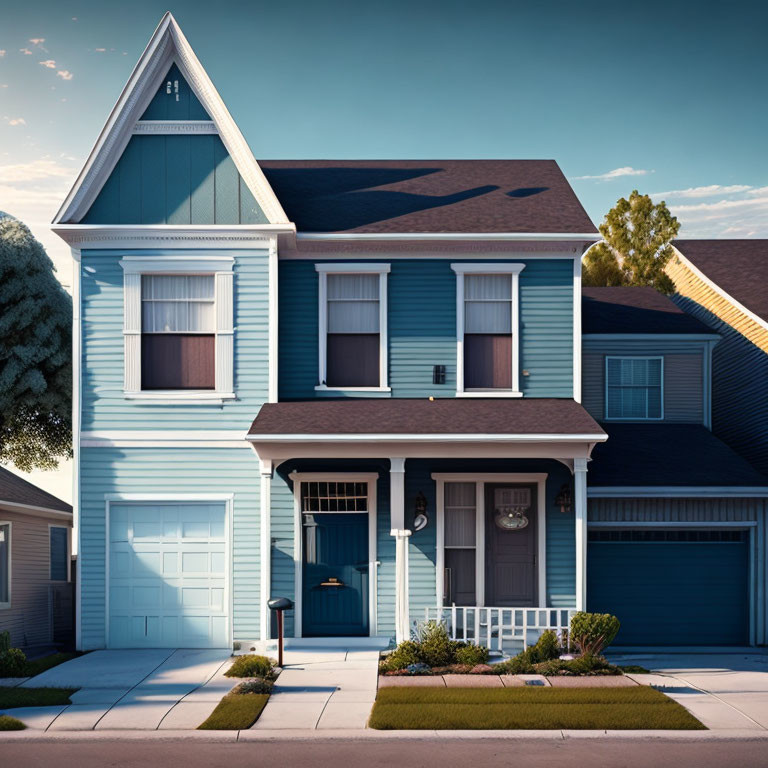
<point x="5" y="565"/>
<point x="178" y="341"/>
<point x="59" y="551"/>
<point x="634" y="388"/>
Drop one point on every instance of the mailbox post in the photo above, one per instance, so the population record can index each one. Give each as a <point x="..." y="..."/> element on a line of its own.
<point x="280" y="604"/>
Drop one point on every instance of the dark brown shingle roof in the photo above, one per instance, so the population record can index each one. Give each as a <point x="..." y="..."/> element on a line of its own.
<point x="384" y="196"/>
<point x="400" y="416"/>
<point x="738" y="267"/>
<point x="15" y="490"/>
<point x="634" y="310"/>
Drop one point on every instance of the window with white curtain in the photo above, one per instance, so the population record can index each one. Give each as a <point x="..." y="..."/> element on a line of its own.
<point x="5" y="565"/>
<point x="634" y="388"/>
<point x="352" y="326"/>
<point x="178" y="326"/>
<point x="460" y="543"/>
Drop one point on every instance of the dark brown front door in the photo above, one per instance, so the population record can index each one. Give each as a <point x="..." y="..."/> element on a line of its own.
<point x="510" y="553"/>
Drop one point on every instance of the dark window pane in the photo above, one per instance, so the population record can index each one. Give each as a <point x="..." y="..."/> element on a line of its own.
<point x="487" y="361"/>
<point x="352" y="360"/>
<point x="460" y="577"/>
<point x="58" y="554"/>
<point x="178" y="361"/>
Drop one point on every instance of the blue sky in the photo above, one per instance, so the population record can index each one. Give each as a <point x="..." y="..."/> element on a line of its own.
<point x="667" y="97"/>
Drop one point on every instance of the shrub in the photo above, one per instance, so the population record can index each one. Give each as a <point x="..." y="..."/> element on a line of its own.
<point x="471" y="655"/>
<point x="404" y="655"/>
<point x="8" y="723"/>
<point x="251" y="665"/>
<point x="584" y="665"/>
<point x="517" y="665"/>
<point x="5" y="641"/>
<point x="434" y="645"/>
<point x="254" y="686"/>
<point x="547" y="646"/>
<point x="593" y="632"/>
<point x="13" y="663"/>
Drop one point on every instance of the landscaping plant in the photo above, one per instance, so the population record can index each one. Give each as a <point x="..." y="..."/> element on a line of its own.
<point x="13" y="663"/>
<point x="593" y="632"/>
<point x="8" y="723"/>
<point x="251" y="665"/>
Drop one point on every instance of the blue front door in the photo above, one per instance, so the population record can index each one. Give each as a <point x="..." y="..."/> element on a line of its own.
<point x="335" y="574"/>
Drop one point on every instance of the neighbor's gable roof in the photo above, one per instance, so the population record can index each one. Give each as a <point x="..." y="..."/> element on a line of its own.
<point x="737" y="268"/>
<point x="14" y="490"/>
<point x="166" y="47"/>
<point x="427" y="196"/>
<point x="635" y="310"/>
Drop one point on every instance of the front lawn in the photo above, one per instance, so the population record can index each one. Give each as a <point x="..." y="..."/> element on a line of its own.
<point x="235" y="712"/>
<point x="634" y="708"/>
<point x="34" y="697"/>
<point x="34" y="667"/>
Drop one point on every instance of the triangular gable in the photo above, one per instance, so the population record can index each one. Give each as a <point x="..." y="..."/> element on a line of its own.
<point x="175" y="100"/>
<point x="168" y="48"/>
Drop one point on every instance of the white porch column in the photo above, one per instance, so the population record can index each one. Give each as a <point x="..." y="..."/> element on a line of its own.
<point x="397" y="518"/>
<point x="580" y="493"/>
<point x="265" y="546"/>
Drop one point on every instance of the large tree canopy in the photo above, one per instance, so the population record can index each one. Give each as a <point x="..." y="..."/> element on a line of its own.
<point x="636" y="246"/>
<point x="35" y="354"/>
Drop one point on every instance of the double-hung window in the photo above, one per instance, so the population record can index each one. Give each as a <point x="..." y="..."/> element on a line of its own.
<point x="353" y="326"/>
<point x="487" y="326"/>
<point x="634" y="388"/>
<point x="5" y="565"/>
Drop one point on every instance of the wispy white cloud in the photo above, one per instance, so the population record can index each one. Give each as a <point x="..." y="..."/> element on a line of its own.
<point x="2" y="52"/>
<point x="710" y="190"/>
<point x="25" y="51"/>
<point x="100" y="50"/>
<point x="48" y="63"/>
<point x="65" y="74"/>
<point x="15" y="120"/>
<point x="36" y="170"/>
<point x="37" y="40"/>
<point x="616" y="173"/>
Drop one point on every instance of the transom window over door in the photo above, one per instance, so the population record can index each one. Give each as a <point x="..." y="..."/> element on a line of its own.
<point x="353" y="332"/>
<point x="487" y="328"/>
<point x="178" y="340"/>
<point x="634" y="388"/>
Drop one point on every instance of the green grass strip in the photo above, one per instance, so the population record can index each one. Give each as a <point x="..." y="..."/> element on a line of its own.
<point x="8" y="723"/>
<point x="34" y="697"/>
<point x="235" y="712"/>
<point x="36" y="666"/>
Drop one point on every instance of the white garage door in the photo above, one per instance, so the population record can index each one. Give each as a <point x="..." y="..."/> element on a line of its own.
<point x="168" y="575"/>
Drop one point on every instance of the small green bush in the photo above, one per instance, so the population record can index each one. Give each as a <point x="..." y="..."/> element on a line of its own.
<point x="5" y="641"/>
<point x="435" y="646"/>
<point x="593" y="632"/>
<point x="517" y="665"/>
<point x="13" y="662"/>
<point x="254" y="686"/>
<point x="404" y="655"/>
<point x="471" y="655"/>
<point x="251" y="665"/>
<point x="8" y="723"/>
<point x="548" y="646"/>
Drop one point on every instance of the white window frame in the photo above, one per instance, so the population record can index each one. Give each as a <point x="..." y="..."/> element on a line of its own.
<point x="539" y="479"/>
<point x="68" y="556"/>
<point x="350" y="268"/>
<point x="221" y="267"/>
<point x="638" y="418"/>
<point x="5" y="605"/>
<point x="371" y="478"/>
<point x="513" y="269"/>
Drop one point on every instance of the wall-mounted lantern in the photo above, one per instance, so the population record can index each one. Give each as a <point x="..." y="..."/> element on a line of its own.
<point x="421" y="519"/>
<point x="563" y="499"/>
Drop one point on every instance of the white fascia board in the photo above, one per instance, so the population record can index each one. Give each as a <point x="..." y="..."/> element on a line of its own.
<point x="496" y="268"/>
<point x="674" y="492"/>
<point x="166" y="46"/>
<point x="352" y="267"/>
<point x="187" y="436"/>
<point x="427" y="438"/>
<point x="30" y="509"/>
<point x="662" y="337"/>
<point x="715" y="287"/>
<point x="456" y="236"/>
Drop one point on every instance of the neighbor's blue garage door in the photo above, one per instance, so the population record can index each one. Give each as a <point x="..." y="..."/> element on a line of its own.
<point x="673" y="587"/>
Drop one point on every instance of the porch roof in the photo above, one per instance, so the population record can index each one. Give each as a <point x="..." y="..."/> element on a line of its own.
<point x="442" y="419"/>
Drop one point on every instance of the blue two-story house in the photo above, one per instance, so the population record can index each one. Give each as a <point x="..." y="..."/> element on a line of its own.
<point x="356" y="384"/>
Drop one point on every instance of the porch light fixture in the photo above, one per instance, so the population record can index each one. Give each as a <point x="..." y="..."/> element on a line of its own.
<point x="421" y="520"/>
<point x="563" y="499"/>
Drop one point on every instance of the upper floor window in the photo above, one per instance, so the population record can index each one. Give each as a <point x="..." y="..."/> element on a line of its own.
<point x="487" y="327"/>
<point x="353" y="326"/>
<point x="634" y="388"/>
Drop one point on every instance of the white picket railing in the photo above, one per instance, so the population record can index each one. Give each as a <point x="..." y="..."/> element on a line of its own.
<point x="501" y="629"/>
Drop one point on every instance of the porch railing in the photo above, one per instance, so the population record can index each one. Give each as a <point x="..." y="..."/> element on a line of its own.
<point x="501" y="629"/>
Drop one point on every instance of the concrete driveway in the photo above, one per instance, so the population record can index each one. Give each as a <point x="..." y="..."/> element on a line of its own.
<point x="133" y="690"/>
<point x="725" y="690"/>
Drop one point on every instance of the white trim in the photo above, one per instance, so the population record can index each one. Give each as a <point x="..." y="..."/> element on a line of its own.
<point x="227" y="499"/>
<point x="656" y="337"/>
<point x="167" y="46"/>
<point x="488" y="268"/>
<point x="6" y="604"/>
<point x="272" y="385"/>
<point x="577" y="384"/>
<point x="480" y="479"/>
<point x="371" y="479"/>
<point x="678" y="492"/>
<point x="170" y="127"/>
<point x="182" y="397"/>
<point x="676" y="524"/>
<point x="321" y="388"/>
<point x="660" y="417"/>
<point x="459" y="236"/>
<point x="353" y="267"/>
<point x="163" y="439"/>
<point x="177" y="263"/>
<point x="763" y="323"/>
<point x="265" y="546"/>
<point x="68" y="563"/>
<point x="469" y="437"/>
<point x="402" y="546"/>
<point x="438" y="253"/>
<point x="76" y="434"/>
<point x="580" y="514"/>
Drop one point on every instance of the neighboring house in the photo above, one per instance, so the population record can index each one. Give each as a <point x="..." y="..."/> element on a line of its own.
<point x="676" y="518"/>
<point x="36" y="601"/>
<point x="724" y="283"/>
<point x="356" y="384"/>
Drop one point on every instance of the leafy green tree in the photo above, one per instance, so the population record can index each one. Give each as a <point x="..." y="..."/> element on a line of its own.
<point x="35" y="354"/>
<point x="636" y="247"/>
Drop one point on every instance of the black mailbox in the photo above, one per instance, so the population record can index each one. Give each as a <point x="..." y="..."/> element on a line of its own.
<point x="280" y="604"/>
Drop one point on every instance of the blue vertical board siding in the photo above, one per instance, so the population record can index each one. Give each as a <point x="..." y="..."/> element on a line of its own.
<point x="180" y="104"/>
<point x="161" y="179"/>
<point x="104" y="405"/>
<point x="422" y="327"/>
<point x="169" y="471"/>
